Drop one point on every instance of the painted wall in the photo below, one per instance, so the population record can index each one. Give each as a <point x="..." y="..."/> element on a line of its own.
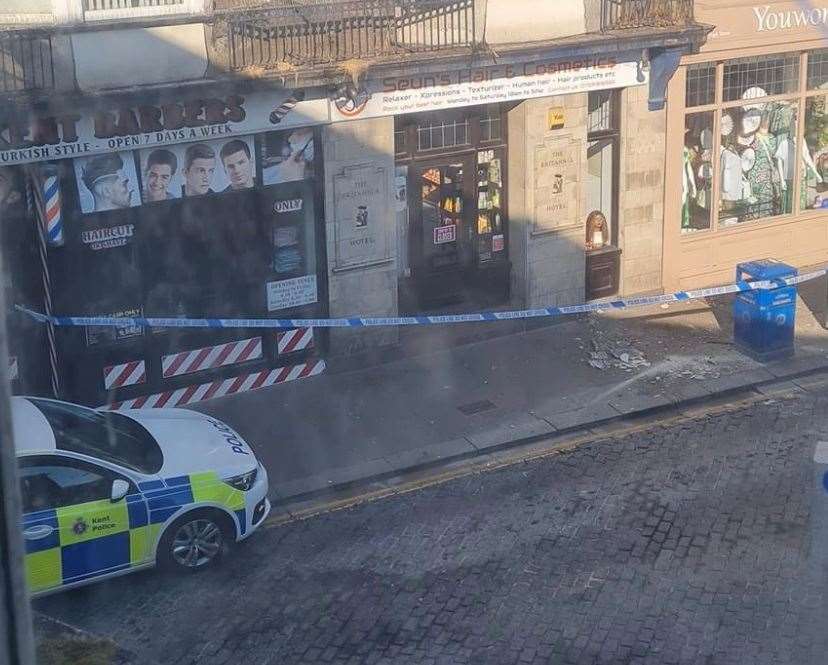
<point x="515" y="21"/>
<point x="144" y="56"/>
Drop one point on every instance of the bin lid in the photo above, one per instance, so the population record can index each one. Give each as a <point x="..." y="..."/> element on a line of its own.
<point x="763" y="269"/>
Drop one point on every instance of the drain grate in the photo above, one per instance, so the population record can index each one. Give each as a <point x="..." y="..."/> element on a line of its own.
<point x="473" y="408"/>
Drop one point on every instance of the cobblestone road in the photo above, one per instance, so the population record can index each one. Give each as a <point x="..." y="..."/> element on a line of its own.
<point x="698" y="542"/>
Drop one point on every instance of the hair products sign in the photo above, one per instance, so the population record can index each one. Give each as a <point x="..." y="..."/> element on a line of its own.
<point x="489" y="85"/>
<point x="768" y="20"/>
<point x="75" y="134"/>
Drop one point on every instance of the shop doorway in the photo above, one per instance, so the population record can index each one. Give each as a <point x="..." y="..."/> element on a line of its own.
<point x="457" y="230"/>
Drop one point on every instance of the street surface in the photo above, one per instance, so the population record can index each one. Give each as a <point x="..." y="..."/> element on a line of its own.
<point x="696" y="542"/>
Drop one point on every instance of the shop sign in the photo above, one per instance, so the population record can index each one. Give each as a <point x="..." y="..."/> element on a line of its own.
<point x="360" y="200"/>
<point x="556" y="118"/>
<point x="287" y="205"/>
<point x="490" y="85"/>
<point x="741" y="24"/>
<point x="289" y="293"/>
<point x="97" y="334"/>
<point x="445" y="234"/>
<point x="108" y="237"/>
<point x="557" y="190"/>
<point x="91" y="131"/>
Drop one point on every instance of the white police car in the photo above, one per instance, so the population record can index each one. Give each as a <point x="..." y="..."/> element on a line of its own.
<point x="106" y="493"/>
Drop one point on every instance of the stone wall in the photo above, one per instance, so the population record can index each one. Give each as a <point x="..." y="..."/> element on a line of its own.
<point x="360" y="229"/>
<point x="641" y="196"/>
<point x="547" y="250"/>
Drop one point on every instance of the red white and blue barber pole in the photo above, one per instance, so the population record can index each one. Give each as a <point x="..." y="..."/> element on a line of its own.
<point x="52" y="206"/>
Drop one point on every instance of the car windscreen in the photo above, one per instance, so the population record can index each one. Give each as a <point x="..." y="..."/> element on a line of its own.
<point x="108" y="436"/>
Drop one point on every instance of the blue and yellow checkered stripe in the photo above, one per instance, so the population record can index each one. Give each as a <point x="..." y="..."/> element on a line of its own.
<point x="100" y="537"/>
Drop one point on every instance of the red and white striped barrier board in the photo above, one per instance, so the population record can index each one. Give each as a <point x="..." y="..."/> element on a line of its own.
<point x="222" y="387"/>
<point x="294" y="340"/>
<point x="210" y="357"/>
<point x="125" y="374"/>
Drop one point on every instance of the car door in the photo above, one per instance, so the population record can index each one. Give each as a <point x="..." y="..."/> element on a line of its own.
<point x="72" y="528"/>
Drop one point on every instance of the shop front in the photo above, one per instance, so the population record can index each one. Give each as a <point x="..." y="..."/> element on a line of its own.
<point x="453" y="166"/>
<point x="209" y="208"/>
<point x="506" y="188"/>
<point x="748" y="143"/>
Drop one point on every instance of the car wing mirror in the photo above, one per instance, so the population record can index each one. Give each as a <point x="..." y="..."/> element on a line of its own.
<point x="120" y="488"/>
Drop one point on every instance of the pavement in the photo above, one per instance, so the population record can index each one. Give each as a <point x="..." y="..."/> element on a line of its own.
<point x="697" y="540"/>
<point x="458" y="391"/>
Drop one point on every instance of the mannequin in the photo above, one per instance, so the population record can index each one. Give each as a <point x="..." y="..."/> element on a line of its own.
<point x="767" y="175"/>
<point x="597" y="230"/>
<point x="689" y="189"/>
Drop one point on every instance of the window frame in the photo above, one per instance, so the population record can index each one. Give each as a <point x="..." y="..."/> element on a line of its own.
<point x="798" y="100"/>
<point x="614" y="136"/>
<point x="57" y="459"/>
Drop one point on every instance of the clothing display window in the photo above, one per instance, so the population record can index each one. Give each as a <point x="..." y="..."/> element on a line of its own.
<point x="697" y="172"/>
<point x="769" y="137"/>
<point x="756" y="161"/>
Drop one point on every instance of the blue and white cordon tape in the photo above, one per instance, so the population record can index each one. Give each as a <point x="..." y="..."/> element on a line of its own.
<point x="366" y="322"/>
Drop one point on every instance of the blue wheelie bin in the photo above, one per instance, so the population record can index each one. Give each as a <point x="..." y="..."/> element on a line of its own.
<point x="763" y="320"/>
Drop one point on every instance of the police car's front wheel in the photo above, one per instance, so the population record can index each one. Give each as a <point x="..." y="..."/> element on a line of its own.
<point x="194" y="541"/>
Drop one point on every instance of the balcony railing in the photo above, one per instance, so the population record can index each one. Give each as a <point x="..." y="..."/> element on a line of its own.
<point x="624" y="14"/>
<point x="96" y="10"/>
<point x="314" y="32"/>
<point x="26" y="62"/>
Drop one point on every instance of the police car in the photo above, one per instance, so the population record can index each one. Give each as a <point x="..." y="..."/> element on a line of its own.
<point x="107" y="493"/>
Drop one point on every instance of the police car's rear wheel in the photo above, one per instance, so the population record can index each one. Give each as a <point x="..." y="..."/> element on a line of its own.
<point x="194" y="542"/>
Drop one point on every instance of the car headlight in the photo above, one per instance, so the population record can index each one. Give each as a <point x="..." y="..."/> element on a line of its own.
<point x="243" y="482"/>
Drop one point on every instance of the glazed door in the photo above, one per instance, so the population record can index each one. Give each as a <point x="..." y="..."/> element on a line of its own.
<point x="442" y="233"/>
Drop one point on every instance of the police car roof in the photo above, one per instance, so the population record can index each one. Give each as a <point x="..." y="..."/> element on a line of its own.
<point x="32" y="432"/>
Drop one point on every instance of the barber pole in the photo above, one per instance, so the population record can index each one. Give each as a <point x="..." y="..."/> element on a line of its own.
<point x="125" y="374"/>
<point x="53" y="214"/>
<point x="278" y="114"/>
<point x="210" y="357"/>
<point x="222" y="387"/>
<point x="294" y="340"/>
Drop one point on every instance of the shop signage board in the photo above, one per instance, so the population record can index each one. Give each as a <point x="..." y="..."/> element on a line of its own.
<point x="488" y="85"/>
<point x="741" y="24"/>
<point x="75" y="133"/>
<point x="362" y="207"/>
<point x="289" y="293"/>
<point x="445" y="234"/>
<point x="557" y="189"/>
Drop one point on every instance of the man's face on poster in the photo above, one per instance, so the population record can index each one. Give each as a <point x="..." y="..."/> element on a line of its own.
<point x="199" y="175"/>
<point x="115" y="191"/>
<point x="158" y="181"/>
<point x="239" y="168"/>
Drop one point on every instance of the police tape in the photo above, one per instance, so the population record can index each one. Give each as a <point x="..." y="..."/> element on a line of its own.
<point x="367" y="322"/>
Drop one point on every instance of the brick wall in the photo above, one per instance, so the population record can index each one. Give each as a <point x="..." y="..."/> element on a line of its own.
<point x="641" y="196"/>
<point x="369" y="289"/>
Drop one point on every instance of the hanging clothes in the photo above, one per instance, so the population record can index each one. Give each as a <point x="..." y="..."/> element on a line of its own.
<point x="688" y="189"/>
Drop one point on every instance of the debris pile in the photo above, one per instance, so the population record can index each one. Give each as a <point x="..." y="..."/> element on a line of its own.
<point x="611" y="351"/>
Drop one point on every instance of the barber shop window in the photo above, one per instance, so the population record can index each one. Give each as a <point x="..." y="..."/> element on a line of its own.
<point x="749" y="154"/>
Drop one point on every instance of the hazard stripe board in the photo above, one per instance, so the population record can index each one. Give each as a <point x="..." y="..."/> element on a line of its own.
<point x="294" y="340"/>
<point x="210" y="357"/>
<point x="125" y="374"/>
<point x="222" y="387"/>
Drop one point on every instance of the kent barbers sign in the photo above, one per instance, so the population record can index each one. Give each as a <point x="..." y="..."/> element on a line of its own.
<point x="90" y="131"/>
<point x="488" y="85"/>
